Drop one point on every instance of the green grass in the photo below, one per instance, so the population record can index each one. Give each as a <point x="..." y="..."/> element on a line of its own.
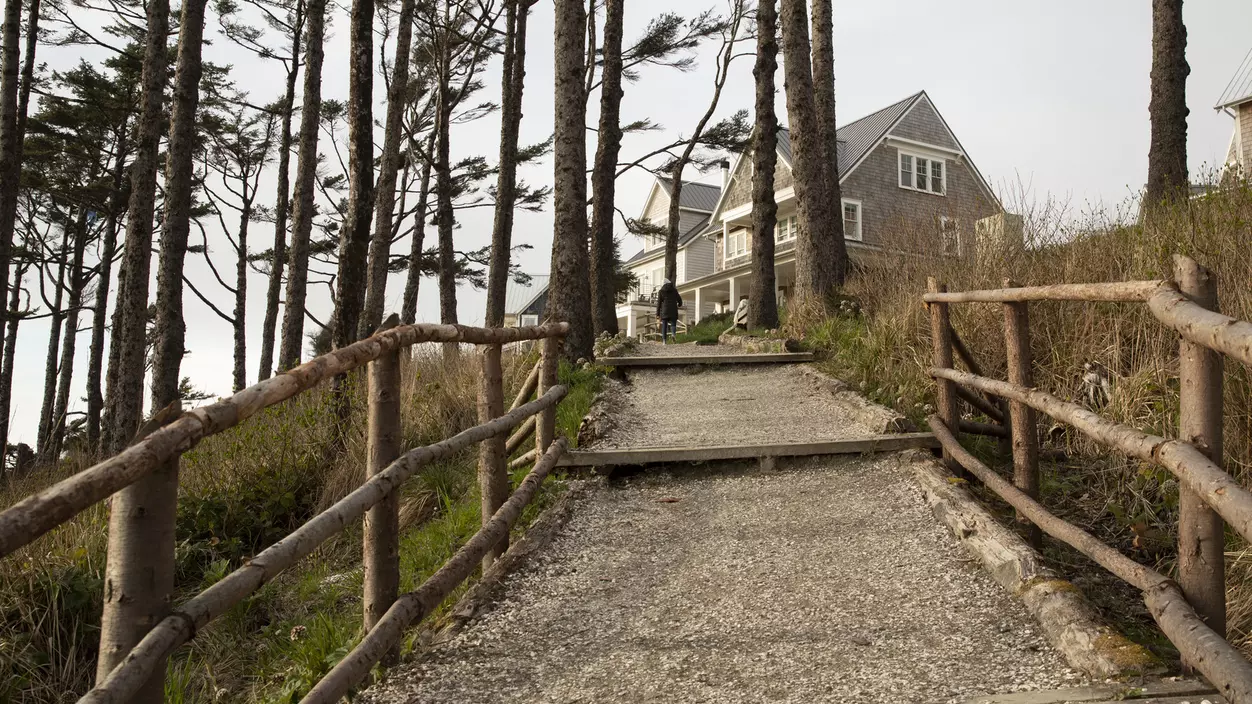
<point x="707" y="330"/>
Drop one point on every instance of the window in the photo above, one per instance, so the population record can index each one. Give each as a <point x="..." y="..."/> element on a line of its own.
<point x="736" y="244"/>
<point x="785" y="230"/>
<point x="920" y="173"/>
<point x="949" y="236"/>
<point x="852" y="220"/>
<point x="529" y="320"/>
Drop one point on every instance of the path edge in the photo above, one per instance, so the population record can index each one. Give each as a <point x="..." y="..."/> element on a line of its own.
<point x="878" y="418"/>
<point x="1069" y="622"/>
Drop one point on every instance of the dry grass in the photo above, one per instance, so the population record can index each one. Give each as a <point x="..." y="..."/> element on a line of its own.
<point x="240" y="491"/>
<point x="887" y="350"/>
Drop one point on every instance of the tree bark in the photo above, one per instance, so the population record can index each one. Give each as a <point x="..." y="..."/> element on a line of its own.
<point x="170" y="327"/>
<point x="125" y="391"/>
<point x="354" y="240"/>
<point x="6" y="367"/>
<point x="513" y="84"/>
<point x="43" y="440"/>
<point x="408" y="309"/>
<point x="240" y="314"/>
<point x="95" y="360"/>
<point x="604" y="175"/>
<point x="282" y="204"/>
<point x="306" y="177"/>
<point x="10" y="143"/>
<point x="814" y="276"/>
<point x="569" y="287"/>
<point x="835" y="249"/>
<point x="1167" y="155"/>
<point x="763" y="295"/>
<point x="443" y="204"/>
<point x="66" y="372"/>
<point x="380" y="245"/>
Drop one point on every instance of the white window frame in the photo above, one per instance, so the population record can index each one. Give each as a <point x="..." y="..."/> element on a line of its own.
<point x="785" y="229"/>
<point x="860" y="219"/>
<point x="949" y="225"/>
<point x="528" y="319"/>
<point x="930" y="160"/>
<point x="735" y="236"/>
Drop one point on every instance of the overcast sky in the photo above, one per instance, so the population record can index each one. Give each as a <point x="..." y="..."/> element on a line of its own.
<point x="1050" y="93"/>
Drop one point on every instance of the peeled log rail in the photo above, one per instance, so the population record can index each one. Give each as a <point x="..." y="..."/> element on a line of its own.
<point x="37" y="514"/>
<point x="416" y="605"/>
<point x="982" y="405"/>
<point x="524" y="460"/>
<point x="990" y="429"/>
<point x="517" y="438"/>
<point x="1197" y="472"/>
<point x="1202" y="326"/>
<point x="1108" y="292"/>
<point x="1224" y="666"/>
<point x="185" y="621"/>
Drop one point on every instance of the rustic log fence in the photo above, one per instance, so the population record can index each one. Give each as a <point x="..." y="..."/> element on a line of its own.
<point x="1192" y="611"/>
<point x="139" y="626"/>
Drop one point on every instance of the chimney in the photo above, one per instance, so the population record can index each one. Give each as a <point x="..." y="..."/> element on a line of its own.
<point x="725" y="174"/>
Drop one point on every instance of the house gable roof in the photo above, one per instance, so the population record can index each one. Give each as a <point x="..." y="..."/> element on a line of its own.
<point x="684" y="238"/>
<point x="1239" y="90"/>
<point x="695" y="195"/>
<point x="519" y="297"/>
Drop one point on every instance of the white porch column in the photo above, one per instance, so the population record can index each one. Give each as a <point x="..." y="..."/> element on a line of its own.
<point x="734" y="294"/>
<point x="630" y="322"/>
<point x="699" y="305"/>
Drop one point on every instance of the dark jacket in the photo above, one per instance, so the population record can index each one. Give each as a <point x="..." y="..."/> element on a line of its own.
<point x="667" y="302"/>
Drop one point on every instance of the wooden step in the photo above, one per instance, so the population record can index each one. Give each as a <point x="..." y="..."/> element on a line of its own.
<point x="685" y="360"/>
<point x="1162" y="692"/>
<point x="657" y="455"/>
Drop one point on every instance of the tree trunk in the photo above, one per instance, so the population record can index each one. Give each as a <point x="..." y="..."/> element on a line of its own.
<point x="354" y="242"/>
<point x="125" y="391"/>
<point x="443" y="208"/>
<point x="1167" y="155"/>
<point x="408" y="310"/>
<point x="43" y="440"/>
<point x="389" y="165"/>
<point x="306" y="177"/>
<point x="762" y="295"/>
<point x="834" y="249"/>
<point x="6" y="368"/>
<point x="10" y="141"/>
<point x="282" y="204"/>
<point x="240" y="313"/>
<point x="68" y="347"/>
<point x="95" y="360"/>
<point x="569" y="287"/>
<point x="171" y="329"/>
<point x="604" y="176"/>
<point x="506" y="188"/>
<point x="814" y="275"/>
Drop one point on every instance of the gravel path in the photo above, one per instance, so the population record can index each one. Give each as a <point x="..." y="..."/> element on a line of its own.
<point x="744" y="586"/>
<point x="725" y="405"/>
<point x="687" y="349"/>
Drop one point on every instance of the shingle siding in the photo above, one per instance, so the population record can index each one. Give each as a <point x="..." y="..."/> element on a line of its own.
<point x="1245" y="133"/>
<point x="923" y="124"/>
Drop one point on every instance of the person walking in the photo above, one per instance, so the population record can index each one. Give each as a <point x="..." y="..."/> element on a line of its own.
<point x="667" y="304"/>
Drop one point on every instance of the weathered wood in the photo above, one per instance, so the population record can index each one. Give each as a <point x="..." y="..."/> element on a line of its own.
<point x="1204" y="327"/>
<point x="528" y="386"/>
<point x="1193" y="470"/>
<point x="989" y="429"/>
<point x="1025" y="431"/>
<point x="1112" y="291"/>
<point x="380" y="559"/>
<point x="493" y="478"/>
<point x="655" y="455"/>
<point x="416" y="605"/>
<point x="685" y="360"/>
<point x="520" y="436"/>
<point x="1208" y="652"/>
<point x="193" y="615"/>
<point x="1201" y="535"/>
<point x="37" y="514"/>
<point x="545" y="424"/>
<point x="524" y="459"/>
<point x="982" y="405"/>
<point x="139" y="569"/>
<point x="1000" y="405"/>
<point x="941" y="356"/>
<point x="967" y="357"/>
<point x="1110" y="693"/>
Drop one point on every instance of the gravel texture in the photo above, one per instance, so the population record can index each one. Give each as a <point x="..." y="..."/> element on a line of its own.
<point x="687" y="349"/>
<point x="744" y="586"/>
<point x="724" y="405"/>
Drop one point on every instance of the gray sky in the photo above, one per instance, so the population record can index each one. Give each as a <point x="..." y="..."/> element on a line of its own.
<point x="1049" y="93"/>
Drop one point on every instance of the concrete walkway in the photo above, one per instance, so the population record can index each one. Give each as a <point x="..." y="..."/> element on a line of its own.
<point x="825" y="580"/>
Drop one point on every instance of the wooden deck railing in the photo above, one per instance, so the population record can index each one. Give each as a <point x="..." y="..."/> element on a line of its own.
<point x="140" y="629"/>
<point x="1191" y="612"/>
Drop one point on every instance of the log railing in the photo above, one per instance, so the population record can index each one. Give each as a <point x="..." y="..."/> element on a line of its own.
<point x="1192" y="611"/>
<point x="140" y="628"/>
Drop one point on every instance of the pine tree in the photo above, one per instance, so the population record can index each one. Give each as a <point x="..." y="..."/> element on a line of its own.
<point x="762" y="295"/>
<point x="1167" y="155"/>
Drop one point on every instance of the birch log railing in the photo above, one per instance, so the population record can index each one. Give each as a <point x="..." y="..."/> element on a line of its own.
<point x="1192" y="611"/>
<point x="139" y="629"/>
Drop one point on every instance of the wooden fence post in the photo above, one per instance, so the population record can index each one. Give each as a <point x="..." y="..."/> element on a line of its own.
<point x="1024" y="432"/>
<point x="381" y="550"/>
<point x="1201" y="533"/>
<point x="941" y="339"/>
<point x="493" y="477"/>
<point x="545" y="427"/>
<point x="139" y="570"/>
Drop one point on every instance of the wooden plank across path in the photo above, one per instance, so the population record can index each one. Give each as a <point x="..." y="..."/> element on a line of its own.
<point x="656" y="455"/>
<point x="684" y="360"/>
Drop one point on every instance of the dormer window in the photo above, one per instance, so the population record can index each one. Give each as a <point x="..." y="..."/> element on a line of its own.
<point x="923" y="173"/>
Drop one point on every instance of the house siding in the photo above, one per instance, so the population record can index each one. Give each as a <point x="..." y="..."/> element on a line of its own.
<point x="698" y="257"/>
<point x="687" y="219"/>
<point x="1245" y="134"/>
<point x="923" y="124"/>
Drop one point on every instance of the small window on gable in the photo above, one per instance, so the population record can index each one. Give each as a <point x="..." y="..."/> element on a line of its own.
<point x="852" y="220"/>
<point x="920" y="173"/>
<point x="949" y="236"/>
<point x="527" y="320"/>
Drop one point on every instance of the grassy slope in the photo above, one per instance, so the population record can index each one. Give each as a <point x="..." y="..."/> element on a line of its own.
<point x="241" y="491"/>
